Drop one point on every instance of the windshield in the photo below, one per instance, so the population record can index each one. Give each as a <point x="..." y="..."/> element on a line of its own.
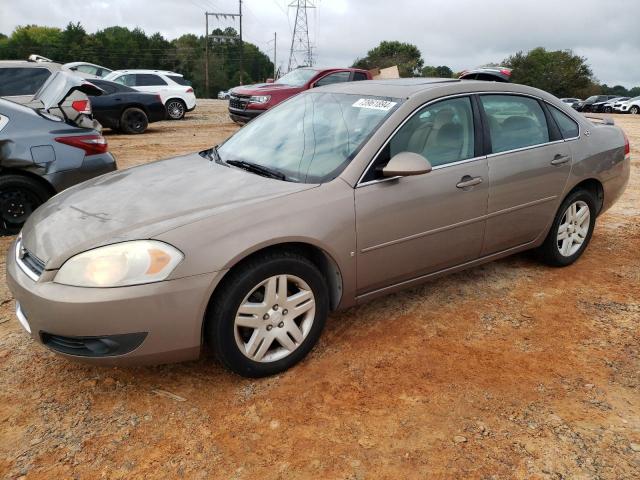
<point x="591" y="99"/>
<point x="297" y="78"/>
<point x="310" y="138"/>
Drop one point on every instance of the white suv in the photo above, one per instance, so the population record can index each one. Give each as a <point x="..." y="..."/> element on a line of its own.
<point x="176" y="92"/>
<point x="630" y="106"/>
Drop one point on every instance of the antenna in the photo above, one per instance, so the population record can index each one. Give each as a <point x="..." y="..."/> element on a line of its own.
<point x="300" y="54"/>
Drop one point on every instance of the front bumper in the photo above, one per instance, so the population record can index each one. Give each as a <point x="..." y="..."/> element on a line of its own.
<point x="92" y="166"/>
<point x="243" y="116"/>
<point x="164" y="318"/>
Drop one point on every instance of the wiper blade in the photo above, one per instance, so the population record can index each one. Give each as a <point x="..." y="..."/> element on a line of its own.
<point x="259" y="169"/>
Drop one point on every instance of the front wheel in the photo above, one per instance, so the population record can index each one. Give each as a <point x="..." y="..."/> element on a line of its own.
<point x="571" y="230"/>
<point x="19" y="197"/>
<point x="268" y="314"/>
<point x="635" y="110"/>
<point x="176" y="109"/>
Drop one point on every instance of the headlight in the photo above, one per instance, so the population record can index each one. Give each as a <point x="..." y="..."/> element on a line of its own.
<point x="260" y="99"/>
<point x="120" y="264"/>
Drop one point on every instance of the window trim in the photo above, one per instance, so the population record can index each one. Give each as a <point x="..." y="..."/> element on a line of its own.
<point x="360" y="183"/>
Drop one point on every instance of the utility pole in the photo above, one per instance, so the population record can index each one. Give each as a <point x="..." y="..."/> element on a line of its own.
<point x="241" y="45"/>
<point x="222" y="38"/>
<point x="206" y="55"/>
<point x="275" y="50"/>
<point x="300" y="44"/>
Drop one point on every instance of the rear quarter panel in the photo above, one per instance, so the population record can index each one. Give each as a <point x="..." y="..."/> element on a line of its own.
<point x="599" y="154"/>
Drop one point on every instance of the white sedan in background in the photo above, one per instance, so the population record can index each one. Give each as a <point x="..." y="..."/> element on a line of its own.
<point x="630" y="106"/>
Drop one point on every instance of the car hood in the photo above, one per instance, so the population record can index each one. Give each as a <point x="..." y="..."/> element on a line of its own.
<point x="264" y="89"/>
<point x="142" y="202"/>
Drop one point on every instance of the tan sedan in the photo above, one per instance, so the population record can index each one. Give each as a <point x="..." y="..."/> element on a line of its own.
<point x="338" y="195"/>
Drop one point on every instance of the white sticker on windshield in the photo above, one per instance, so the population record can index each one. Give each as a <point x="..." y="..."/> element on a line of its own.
<point x="375" y="104"/>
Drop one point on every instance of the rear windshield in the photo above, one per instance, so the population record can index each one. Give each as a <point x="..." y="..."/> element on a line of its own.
<point x="22" y="81"/>
<point x="180" y="80"/>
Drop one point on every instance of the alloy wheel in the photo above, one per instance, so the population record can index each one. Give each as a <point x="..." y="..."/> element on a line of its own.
<point x="573" y="229"/>
<point x="274" y="319"/>
<point x="175" y="109"/>
<point x="635" y="110"/>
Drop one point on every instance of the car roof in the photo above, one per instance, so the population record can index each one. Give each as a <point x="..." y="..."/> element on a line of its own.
<point x="27" y="63"/>
<point x="163" y="72"/>
<point x="74" y="64"/>
<point x="409" y="87"/>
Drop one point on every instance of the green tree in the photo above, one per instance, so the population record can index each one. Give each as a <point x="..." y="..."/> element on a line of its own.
<point x="439" y="72"/>
<point x="405" y="55"/>
<point x="560" y="72"/>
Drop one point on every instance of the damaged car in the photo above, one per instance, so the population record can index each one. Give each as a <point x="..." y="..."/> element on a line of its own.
<point x="47" y="146"/>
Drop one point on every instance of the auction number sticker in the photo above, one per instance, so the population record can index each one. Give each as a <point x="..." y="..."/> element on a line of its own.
<point x="375" y="104"/>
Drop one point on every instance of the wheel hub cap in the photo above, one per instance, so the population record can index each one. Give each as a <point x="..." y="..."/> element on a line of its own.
<point x="574" y="228"/>
<point x="274" y="318"/>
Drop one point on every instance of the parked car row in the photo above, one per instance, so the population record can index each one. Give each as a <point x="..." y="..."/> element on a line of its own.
<point x="605" y="104"/>
<point x="19" y="81"/>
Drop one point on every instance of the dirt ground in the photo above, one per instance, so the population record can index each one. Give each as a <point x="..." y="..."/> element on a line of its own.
<point x="509" y="370"/>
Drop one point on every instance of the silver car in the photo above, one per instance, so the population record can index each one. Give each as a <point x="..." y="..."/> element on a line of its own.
<point x="339" y="195"/>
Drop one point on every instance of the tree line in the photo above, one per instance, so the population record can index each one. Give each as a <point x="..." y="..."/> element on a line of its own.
<point x="560" y="72"/>
<point x="121" y="48"/>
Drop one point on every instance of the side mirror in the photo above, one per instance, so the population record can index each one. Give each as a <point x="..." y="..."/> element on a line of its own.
<point x="405" y="164"/>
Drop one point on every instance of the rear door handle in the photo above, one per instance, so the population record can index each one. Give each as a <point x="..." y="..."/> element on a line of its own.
<point x="468" y="181"/>
<point x="560" y="159"/>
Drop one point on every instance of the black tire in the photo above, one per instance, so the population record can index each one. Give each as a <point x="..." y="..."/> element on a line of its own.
<point x="608" y="110"/>
<point x="19" y="197"/>
<point x="587" y="109"/>
<point x="220" y="322"/>
<point x="635" y="110"/>
<point x="133" y="121"/>
<point x="549" y="251"/>
<point x="176" y="109"/>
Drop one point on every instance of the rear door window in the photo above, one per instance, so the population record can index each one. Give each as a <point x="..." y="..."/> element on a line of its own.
<point x="22" y="81"/>
<point x="337" y="77"/>
<point x="514" y="122"/>
<point x="148" y="80"/>
<point x="568" y="126"/>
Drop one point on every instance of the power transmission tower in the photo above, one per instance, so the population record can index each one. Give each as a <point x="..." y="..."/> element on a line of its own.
<point x="300" y="54"/>
<point x="221" y="39"/>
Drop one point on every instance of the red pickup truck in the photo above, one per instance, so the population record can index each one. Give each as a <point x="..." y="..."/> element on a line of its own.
<point x="246" y="103"/>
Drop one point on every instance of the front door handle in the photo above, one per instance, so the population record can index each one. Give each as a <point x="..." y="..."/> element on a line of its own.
<point x="468" y="181"/>
<point x="560" y="159"/>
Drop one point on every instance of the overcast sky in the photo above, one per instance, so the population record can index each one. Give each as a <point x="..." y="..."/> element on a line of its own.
<point x="457" y="33"/>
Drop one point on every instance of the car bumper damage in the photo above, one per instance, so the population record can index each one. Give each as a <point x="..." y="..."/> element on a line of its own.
<point x="143" y="324"/>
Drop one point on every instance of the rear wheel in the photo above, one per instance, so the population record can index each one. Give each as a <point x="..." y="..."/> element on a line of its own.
<point x="19" y="197"/>
<point x="635" y="110"/>
<point x="268" y="314"/>
<point x="176" y="108"/>
<point x="571" y="230"/>
<point x="608" y="110"/>
<point x="133" y="121"/>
